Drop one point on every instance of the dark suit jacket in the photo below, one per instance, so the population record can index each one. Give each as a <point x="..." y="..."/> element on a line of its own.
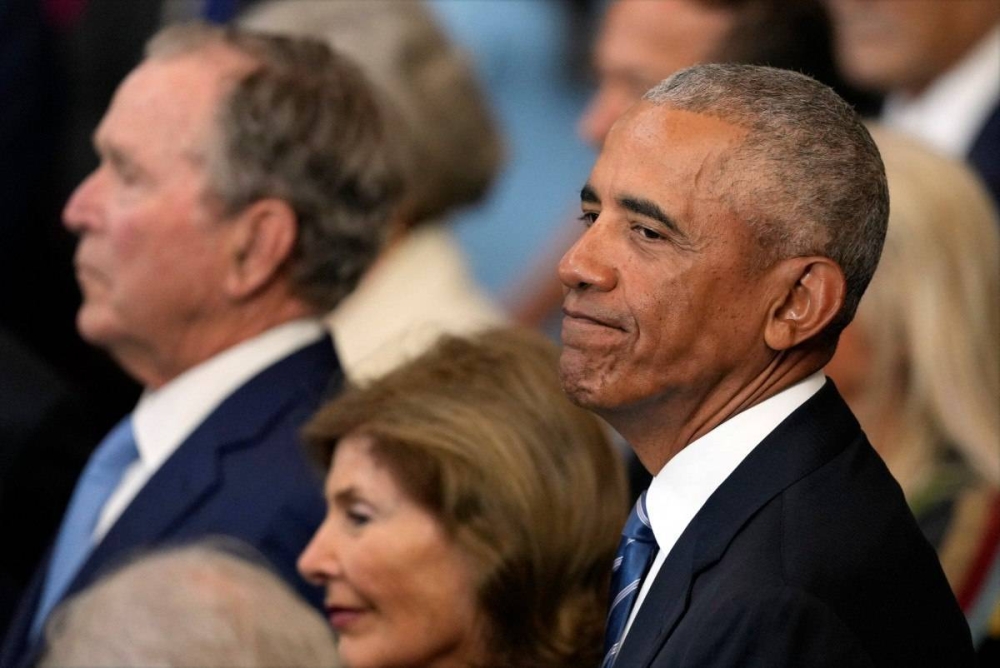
<point x="241" y="473"/>
<point x="985" y="154"/>
<point x="807" y="555"/>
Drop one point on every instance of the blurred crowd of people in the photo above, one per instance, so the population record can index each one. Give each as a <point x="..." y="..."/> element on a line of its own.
<point x="265" y="354"/>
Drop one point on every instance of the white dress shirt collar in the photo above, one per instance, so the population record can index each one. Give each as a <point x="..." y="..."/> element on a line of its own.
<point x="954" y="108"/>
<point x="165" y="417"/>
<point x="682" y="487"/>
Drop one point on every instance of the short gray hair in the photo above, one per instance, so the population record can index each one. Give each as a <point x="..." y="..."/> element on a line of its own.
<point x="301" y="125"/>
<point x="807" y="178"/>
<point x="449" y="146"/>
<point x="201" y="605"/>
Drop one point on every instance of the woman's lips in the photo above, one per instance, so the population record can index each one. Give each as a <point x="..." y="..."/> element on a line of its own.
<point x="342" y="619"/>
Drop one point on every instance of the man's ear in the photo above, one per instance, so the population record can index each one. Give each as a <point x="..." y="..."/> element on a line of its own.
<point x="263" y="237"/>
<point x="811" y="294"/>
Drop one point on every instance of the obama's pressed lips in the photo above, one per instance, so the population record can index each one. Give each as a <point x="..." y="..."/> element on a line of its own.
<point x="588" y="327"/>
<point x="576" y="316"/>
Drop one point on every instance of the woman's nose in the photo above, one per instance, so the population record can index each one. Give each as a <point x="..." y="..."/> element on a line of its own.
<point x="318" y="562"/>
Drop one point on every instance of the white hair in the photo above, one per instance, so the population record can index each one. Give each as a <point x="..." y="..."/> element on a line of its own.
<point x="199" y="605"/>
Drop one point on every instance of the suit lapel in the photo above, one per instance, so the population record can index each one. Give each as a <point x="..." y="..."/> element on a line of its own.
<point x="15" y="650"/>
<point x="812" y="435"/>
<point x="665" y="603"/>
<point x="983" y="153"/>
<point x="190" y="475"/>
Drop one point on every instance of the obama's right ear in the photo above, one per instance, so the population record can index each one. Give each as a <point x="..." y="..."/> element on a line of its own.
<point x="808" y="296"/>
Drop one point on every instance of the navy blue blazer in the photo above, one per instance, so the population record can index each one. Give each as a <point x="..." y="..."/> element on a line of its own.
<point x="242" y="473"/>
<point x="807" y="555"/>
<point x="985" y="154"/>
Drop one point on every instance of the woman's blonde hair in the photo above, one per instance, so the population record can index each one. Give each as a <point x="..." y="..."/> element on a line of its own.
<point x="932" y="313"/>
<point x="479" y="432"/>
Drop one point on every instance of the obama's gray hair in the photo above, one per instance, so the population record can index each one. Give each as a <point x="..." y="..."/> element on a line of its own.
<point x="807" y="178"/>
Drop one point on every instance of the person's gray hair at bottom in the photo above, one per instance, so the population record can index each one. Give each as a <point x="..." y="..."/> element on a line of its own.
<point x="215" y="603"/>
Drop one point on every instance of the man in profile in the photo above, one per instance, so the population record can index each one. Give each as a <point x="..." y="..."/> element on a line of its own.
<point x="734" y="218"/>
<point x="242" y="189"/>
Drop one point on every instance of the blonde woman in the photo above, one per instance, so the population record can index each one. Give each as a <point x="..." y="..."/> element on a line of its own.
<point x="920" y="365"/>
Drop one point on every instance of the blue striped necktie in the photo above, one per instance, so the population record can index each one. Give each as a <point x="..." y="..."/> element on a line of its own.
<point x="99" y="479"/>
<point x="635" y="554"/>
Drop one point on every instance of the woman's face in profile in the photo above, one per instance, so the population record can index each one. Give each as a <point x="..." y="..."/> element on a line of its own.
<point x="399" y="591"/>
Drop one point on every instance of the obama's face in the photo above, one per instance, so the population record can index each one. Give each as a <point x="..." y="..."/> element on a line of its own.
<point x="664" y="296"/>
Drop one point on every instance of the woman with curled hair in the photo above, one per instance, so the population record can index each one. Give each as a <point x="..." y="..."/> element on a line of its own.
<point x="920" y="365"/>
<point x="473" y="512"/>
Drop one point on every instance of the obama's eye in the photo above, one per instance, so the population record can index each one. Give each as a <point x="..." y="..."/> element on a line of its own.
<point x="647" y="232"/>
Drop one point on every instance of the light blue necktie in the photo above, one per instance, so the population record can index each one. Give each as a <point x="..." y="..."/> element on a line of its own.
<point x="635" y="554"/>
<point x="99" y="479"/>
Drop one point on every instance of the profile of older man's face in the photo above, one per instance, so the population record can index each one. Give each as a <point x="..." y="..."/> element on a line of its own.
<point x="151" y="254"/>
<point x="663" y="297"/>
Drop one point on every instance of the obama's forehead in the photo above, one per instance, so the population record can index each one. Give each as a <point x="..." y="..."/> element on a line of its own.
<point x="658" y="151"/>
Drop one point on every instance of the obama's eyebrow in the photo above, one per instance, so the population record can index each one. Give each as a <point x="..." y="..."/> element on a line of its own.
<point x="649" y="209"/>
<point x="640" y="206"/>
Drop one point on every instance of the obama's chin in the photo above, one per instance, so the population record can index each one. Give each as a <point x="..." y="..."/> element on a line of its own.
<point x="580" y="382"/>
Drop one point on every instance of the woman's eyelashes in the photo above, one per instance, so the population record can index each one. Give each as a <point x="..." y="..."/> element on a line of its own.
<point x="358" y="514"/>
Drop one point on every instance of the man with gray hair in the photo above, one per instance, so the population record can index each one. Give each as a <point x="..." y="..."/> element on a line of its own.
<point x="449" y="150"/>
<point x="243" y="187"/>
<point x="189" y="607"/>
<point x="734" y="218"/>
